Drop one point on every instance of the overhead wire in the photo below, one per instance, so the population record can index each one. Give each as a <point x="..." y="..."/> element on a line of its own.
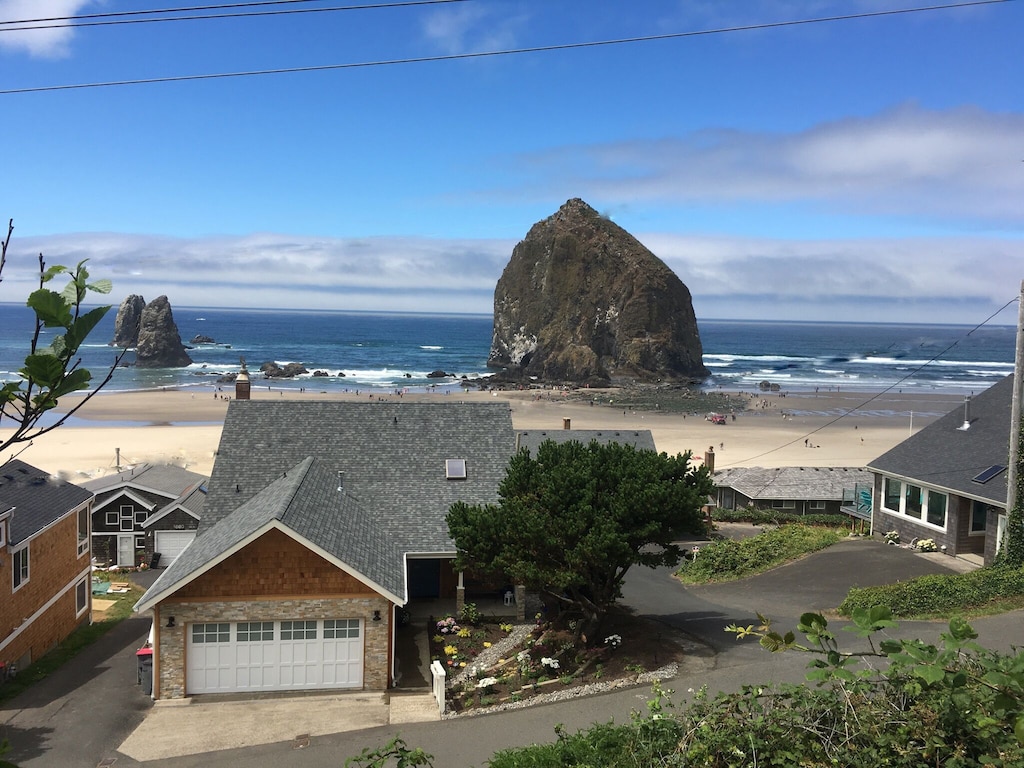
<point x="36" y="24"/>
<point x="879" y="394"/>
<point x="504" y="52"/>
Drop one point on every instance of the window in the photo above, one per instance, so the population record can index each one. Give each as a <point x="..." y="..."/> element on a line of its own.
<point x="891" y="500"/>
<point x="455" y="469"/>
<point x="127" y="515"/>
<point x="915" y="501"/>
<point x="211" y="633"/>
<point x="254" y="631"/>
<point x="335" y="628"/>
<point x="783" y="504"/>
<point x="83" y="531"/>
<point x="111" y="518"/>
<point x="936" y="513"/>
<point x="19" y="563"/>
<point x="141" y="515"/>
<point x="816" y="506"/>
<point x="979" y="517"/>
<point x="81" y="597"/>
<point x="140" y="541"/>
<point x="298" y="630"/>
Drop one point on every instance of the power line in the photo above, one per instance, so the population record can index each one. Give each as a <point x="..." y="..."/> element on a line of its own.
<point x="506" y="52"/>
<point x="877" y="395"/>
<point x="183" y="9"/>
<point x="33" y="25"/>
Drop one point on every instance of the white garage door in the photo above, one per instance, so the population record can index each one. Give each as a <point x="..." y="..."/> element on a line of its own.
<point x="170" y="544"/>
<point x="274" y="656"/>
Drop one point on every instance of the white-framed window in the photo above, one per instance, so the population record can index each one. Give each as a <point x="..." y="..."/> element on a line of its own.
<point x="141" y="515"/>
<point x="83" y="530"/>
<point x="298" y="630"/>
<point x="935" y="509"/>
<point x="913" y="500"/>
<point x="111" y="517"/>
<point x="140" y="541"/>
<point x="979" y="518"/>
<point x="783" y="504"/>
<point x="211" y="633"/>
<point x="20" y="567"/>
<point x="816" y="506"/>
<point x="455" y="469"/>
<point x="892" y="492"/>
<point x="127" y="515"/>
<point x="254" y="631"/>
<point x="334" y="628"/>
<point x="81" y="596"/>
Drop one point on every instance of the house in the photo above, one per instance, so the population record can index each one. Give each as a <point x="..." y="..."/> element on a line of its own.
<point x="641" y="439"/>
<point x="44" y="551"/>
<point x="321" y="518"/>
<point x="798" y="490"/>
<point x="143" y="510"/>
<point x="948" y="481"/>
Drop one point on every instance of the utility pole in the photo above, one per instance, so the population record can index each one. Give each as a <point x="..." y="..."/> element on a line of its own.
<point x="1016" y="427"/>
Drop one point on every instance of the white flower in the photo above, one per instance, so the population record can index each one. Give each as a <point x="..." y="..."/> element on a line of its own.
<point x="523" y="656"/>
<point x="613" y="640"/>
<point x="547" y="661"/>
<point x="487" y="682"/>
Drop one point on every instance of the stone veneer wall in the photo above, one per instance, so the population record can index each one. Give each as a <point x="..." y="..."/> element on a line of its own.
<point x="376" y="634"/>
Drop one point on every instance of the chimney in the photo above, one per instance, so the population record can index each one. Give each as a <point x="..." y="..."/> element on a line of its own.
<point x="709" y="459"/>
<point x="967" y="415"/>
<point x="566" y="423"/>
<point x="242" y="384"/>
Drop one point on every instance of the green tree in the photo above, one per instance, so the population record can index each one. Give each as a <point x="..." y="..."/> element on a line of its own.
<point x="53" y="370"/>
<point x="573" y="519"/>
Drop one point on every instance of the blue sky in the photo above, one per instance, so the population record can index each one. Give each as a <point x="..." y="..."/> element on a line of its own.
<point x="866" y="170"/>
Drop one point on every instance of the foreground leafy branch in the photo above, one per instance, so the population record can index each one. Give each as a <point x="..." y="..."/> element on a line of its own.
<point x="54" y="370"/>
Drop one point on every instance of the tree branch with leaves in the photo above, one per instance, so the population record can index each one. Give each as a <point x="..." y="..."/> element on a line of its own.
<point x="53" y="370"/>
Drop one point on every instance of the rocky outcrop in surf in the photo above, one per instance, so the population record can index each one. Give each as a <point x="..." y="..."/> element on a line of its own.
<point x="126" y="324"/>
<point x="583" y="301"/>
<point x="159" y="344"/>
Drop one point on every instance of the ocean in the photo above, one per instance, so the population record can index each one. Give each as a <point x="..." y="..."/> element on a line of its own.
<point x="395" y="351"/>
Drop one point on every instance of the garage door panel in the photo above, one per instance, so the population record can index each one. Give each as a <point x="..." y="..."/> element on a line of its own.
<point x="170" y="544"/>
<point x="251" y="656"/>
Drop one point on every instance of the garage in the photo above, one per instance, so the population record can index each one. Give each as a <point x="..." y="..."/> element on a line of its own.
<point x="274" y="656"/>
<point x="170" y="544"/>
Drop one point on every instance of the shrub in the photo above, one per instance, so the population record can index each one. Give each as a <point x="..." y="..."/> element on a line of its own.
<point x="778" y="517"/>
<point x="938" y="593"/>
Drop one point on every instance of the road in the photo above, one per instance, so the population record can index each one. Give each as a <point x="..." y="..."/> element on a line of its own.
<point x="81" y="720"/>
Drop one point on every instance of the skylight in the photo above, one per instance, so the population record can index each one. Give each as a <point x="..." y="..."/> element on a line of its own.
<point x="455" y="469"/>
<point x="988" y="474"/>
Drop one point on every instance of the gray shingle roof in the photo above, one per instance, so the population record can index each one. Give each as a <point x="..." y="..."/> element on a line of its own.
<point x="796" y="483"/>
<point x="641" y="439"/>
<point x="943" y="455"/>
<point x="392" y="456"/>
<point x="306" y="501"/>
<point x="164" y="479"/>
<point x="37" y="498"/>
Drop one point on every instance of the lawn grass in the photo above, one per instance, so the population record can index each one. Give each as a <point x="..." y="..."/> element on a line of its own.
<point x="726" y="560"/>
<point x="72" y="645"/>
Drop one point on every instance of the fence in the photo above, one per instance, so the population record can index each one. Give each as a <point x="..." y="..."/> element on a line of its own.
<point x="438" y="676"/>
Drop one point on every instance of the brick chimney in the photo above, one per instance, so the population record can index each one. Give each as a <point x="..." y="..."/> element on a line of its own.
<point x="566" y="423"/>
<point x="709" y="459"/>
<point x="242" y="384"/>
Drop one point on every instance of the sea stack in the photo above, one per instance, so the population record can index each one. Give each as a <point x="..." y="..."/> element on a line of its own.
<point x="583" y="301"/>
<point x="126" y="326"/>
<point x="159" y="343"/>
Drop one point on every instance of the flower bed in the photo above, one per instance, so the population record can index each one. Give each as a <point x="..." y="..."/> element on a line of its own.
<point x="545" y="661"/>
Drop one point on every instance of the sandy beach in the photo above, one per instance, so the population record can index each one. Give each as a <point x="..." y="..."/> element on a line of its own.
<point x="183" y="427"/>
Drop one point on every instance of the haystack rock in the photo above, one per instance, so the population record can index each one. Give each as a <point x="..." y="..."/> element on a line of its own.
<point x="159" y="342"/>
<point x="126" y="326"/>
<point x="583" y="301"/>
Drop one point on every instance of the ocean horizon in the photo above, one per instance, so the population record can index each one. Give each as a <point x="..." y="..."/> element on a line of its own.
<point x="399" y="351"/>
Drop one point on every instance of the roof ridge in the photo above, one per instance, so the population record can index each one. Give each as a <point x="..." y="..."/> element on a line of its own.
<point x="303" y="468"/>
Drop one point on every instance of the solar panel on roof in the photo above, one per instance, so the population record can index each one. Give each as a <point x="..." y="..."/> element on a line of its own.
<point x="988" y="474"/>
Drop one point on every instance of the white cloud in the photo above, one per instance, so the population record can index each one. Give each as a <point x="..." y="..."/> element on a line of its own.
<point x="904" y="280"/>
<point x="472" y="27"/>
<point x="962" y="164"/>
<point x="48" y="40"/>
